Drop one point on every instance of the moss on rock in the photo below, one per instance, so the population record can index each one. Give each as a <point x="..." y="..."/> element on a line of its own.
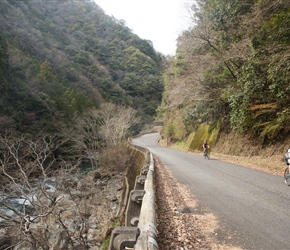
<point x="204" y="132"/>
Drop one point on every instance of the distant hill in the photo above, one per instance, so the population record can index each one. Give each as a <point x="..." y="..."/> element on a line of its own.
<point x="60" y="58"/>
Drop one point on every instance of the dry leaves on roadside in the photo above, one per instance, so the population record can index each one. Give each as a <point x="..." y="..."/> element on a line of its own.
<point x="180" y="224"/>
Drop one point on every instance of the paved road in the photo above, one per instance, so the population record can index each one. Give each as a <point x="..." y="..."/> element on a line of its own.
<point x="253" y="206"/>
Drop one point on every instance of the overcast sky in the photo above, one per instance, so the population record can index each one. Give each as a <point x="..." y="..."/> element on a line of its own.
<point x="160" y="21"/>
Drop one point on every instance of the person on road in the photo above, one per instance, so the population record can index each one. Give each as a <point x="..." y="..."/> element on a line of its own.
<point x="205" y="147"/>
<point x="287" y="169"/>
<point x="287" y="157"/>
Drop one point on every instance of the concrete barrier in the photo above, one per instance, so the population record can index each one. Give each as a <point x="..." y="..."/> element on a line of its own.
<point x="139" y="232"/>
<point x="147" y="219"/>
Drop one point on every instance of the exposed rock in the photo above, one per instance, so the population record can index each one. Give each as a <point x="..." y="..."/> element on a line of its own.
<point x="58" y="239"/>
<point x="97" y="176"/>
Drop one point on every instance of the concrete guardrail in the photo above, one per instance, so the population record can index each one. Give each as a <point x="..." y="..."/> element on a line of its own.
<point x="139" y="232"/>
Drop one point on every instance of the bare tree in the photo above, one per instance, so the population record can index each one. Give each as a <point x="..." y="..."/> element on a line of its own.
<point x="32" y="184"/>
<point x="86" y="135"/>
<point x="97" y="129"/>
<point x="116" y="121"/>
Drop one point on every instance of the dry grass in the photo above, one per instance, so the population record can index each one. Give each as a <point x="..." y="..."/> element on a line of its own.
<point x="115" y="158"/>
<point x="273" y="165"/>
<point x="247" y="152"/>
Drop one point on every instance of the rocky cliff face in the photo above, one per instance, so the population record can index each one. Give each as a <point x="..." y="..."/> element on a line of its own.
<point x="82" y="216"/>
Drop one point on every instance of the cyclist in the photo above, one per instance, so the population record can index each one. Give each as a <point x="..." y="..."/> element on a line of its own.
<point x="206" y="147"/>
<point x="287" y="157"/>
<point x="287" y="169"/>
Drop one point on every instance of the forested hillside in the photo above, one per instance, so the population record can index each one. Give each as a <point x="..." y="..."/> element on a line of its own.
<point x="60" y="58"/>
<point x="233" y="68"/>
<point x="74" y="84"/>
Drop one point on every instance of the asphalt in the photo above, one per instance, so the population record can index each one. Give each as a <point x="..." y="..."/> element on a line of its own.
<point x="253" y="206"/>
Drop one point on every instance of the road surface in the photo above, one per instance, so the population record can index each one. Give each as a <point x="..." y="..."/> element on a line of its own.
<point x="253" y="205"/>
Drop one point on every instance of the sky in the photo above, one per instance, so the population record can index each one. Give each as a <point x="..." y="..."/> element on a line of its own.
<point x="160" y="21"/>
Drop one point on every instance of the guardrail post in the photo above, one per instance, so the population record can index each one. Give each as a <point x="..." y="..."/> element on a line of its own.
<point x="134" y="207"/>
<point x="140" y="181"/>
<point x="124" y="238"/>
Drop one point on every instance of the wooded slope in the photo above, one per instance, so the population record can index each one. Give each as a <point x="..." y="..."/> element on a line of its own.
<point x="232" y="67"/>
<point x="60" y="58"/>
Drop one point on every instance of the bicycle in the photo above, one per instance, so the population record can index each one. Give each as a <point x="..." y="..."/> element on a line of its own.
<point x="206" y="154"/>
<point x="287" y="176"/>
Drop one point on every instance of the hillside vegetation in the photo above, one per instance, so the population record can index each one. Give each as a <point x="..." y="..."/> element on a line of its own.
<point x="74" y="85"/>
<point x="231" y="71"/>
<point x="60" y="58"/>
<point x="72" y="79"/>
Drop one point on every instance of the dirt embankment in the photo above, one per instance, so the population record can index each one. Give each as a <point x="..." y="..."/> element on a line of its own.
<point x="244" y="151"/>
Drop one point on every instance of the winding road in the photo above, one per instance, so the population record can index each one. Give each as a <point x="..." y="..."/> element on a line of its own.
<point x="252" y="206"/>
